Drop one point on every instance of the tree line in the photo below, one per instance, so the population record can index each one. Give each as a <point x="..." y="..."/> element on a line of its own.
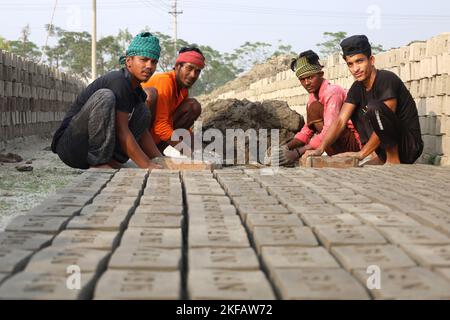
<point x="71" y="53"/>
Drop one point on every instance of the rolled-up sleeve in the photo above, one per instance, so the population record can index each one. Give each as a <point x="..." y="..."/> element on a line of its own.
<point x="304" y="135"/>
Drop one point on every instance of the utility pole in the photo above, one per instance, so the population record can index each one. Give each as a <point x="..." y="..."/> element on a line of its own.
<point x="94" y="41"/>
<point x="175" y="14"/>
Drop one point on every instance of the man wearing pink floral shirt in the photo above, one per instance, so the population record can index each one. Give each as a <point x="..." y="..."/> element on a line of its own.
<point x="324" y="105"/>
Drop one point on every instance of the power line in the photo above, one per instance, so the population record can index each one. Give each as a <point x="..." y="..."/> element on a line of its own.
<point x="175" y="13"/>
<point x="240" y="8"/>
<point x="50" y="26"/>
<point x="152" y="6"/>
<point x="94" y="41"/>
<point x="118" y="5"/>
<point x="167" y="6"/>
<point x="298" y="12"/>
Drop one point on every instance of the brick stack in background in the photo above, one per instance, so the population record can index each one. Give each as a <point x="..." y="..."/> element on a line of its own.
<point x="424" y="66"/>
<point x="33" y="98"/>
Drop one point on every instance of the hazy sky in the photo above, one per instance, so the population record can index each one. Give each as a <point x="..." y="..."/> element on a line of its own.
<point x="226" y="24"/>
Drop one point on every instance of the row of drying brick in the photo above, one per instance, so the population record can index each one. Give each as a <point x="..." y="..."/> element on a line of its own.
<point x="8" y="133"/>
<point x="12" y="114"/>
<point x="357" y="228"/>
<point x="21" y="117"/>
<point x="147" y="260"/>
<point x="424" y="62"/>
<point x="28" y="81"/>
<point x="432" y="100"/>
<point x="435" y="70"/>
<point x="427" y="59"/>
<point x="414" y="52"/>
<point x="32" y="96"/>
<point x="289" y="250"/>
<point x="419" y="60"/>
<point x="17" y="69"/>
<point x="278" y="228"/>
<point x="222" y="263"/>
<point x="408" y="71"/>
<point x="431" y="94"/>
<point x="29" y="117"/>
<point x="289" y="282"/>
<point x="20" y="90"/>
<point x="29" y="242"/>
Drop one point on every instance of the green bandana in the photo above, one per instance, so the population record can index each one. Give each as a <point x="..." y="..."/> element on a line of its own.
<point x="144" y="44"/>
<point x="304" y="69"/>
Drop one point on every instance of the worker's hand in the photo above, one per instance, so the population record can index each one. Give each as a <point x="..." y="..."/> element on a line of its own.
<point x="281" y="155"/>
<point x="153" y="165"/>
<point x="356" y="155"/>
<point x="291" y="156"/>
<point x="312" y="153"/>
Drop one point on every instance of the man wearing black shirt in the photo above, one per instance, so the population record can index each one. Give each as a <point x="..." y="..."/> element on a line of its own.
<point x="107" y="124"/>
<point x="381" y="108"/>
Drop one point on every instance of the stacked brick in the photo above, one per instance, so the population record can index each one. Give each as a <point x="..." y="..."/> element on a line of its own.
<point x="235" y="234"/>
<point x="33" y="98"/>
<point x="424" y="66"/>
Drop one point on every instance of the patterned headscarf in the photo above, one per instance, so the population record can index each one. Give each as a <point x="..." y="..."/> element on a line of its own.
<point x="144" y="44"/>
<point x="306" y="65"/>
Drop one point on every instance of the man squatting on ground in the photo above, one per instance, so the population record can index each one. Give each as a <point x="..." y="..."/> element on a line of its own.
<point x="168" y="98"/>
<point x="381" y="108"/>
<point x="324" y="104"/>
<point x="108" y="123"/>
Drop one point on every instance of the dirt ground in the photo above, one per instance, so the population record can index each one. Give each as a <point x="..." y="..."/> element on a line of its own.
<point x="21" y="191"/>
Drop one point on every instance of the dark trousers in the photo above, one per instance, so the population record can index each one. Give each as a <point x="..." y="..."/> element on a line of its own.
<point x="183" y="117"/>
<point x="346" y="142"/>
<point x="90" y="138"/>
<point x="392" y="132"/>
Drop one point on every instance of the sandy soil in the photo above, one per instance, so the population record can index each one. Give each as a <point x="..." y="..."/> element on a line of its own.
<point x="21" y="191"/>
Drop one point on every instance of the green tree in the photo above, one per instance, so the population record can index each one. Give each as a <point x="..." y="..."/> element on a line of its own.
<point x="74" y="51"/>
<point x="4" y="44"/>
<point x="249" y="54"/>
<point x="53" y="54"/>
<point x="123" y="39"/>
<point x="24" y="47"/>
<point x="377" y="48"/>
<point x="108" y="54"/>
<point x="167" y="58"/>
<point x="283" y="49"/>
<point x="332" y="43"/>
<point x="217" y="72"/>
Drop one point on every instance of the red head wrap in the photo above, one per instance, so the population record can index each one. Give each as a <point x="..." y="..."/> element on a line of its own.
<point x="191" y="57"/>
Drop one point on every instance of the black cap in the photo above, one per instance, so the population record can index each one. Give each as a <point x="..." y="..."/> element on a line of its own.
<point x="356" y="45"/>
<point x="311" y="56"/>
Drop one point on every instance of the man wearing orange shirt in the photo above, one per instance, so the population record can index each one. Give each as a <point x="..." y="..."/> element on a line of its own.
<point x="168" y="97"/>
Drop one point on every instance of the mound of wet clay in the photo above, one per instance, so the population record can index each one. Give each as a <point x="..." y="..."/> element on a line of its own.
<point x="232" y="114"/>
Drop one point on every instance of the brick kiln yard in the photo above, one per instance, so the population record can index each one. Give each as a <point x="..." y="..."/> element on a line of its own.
<point x="235" y="233"/>
<point x="300" y="233"/>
